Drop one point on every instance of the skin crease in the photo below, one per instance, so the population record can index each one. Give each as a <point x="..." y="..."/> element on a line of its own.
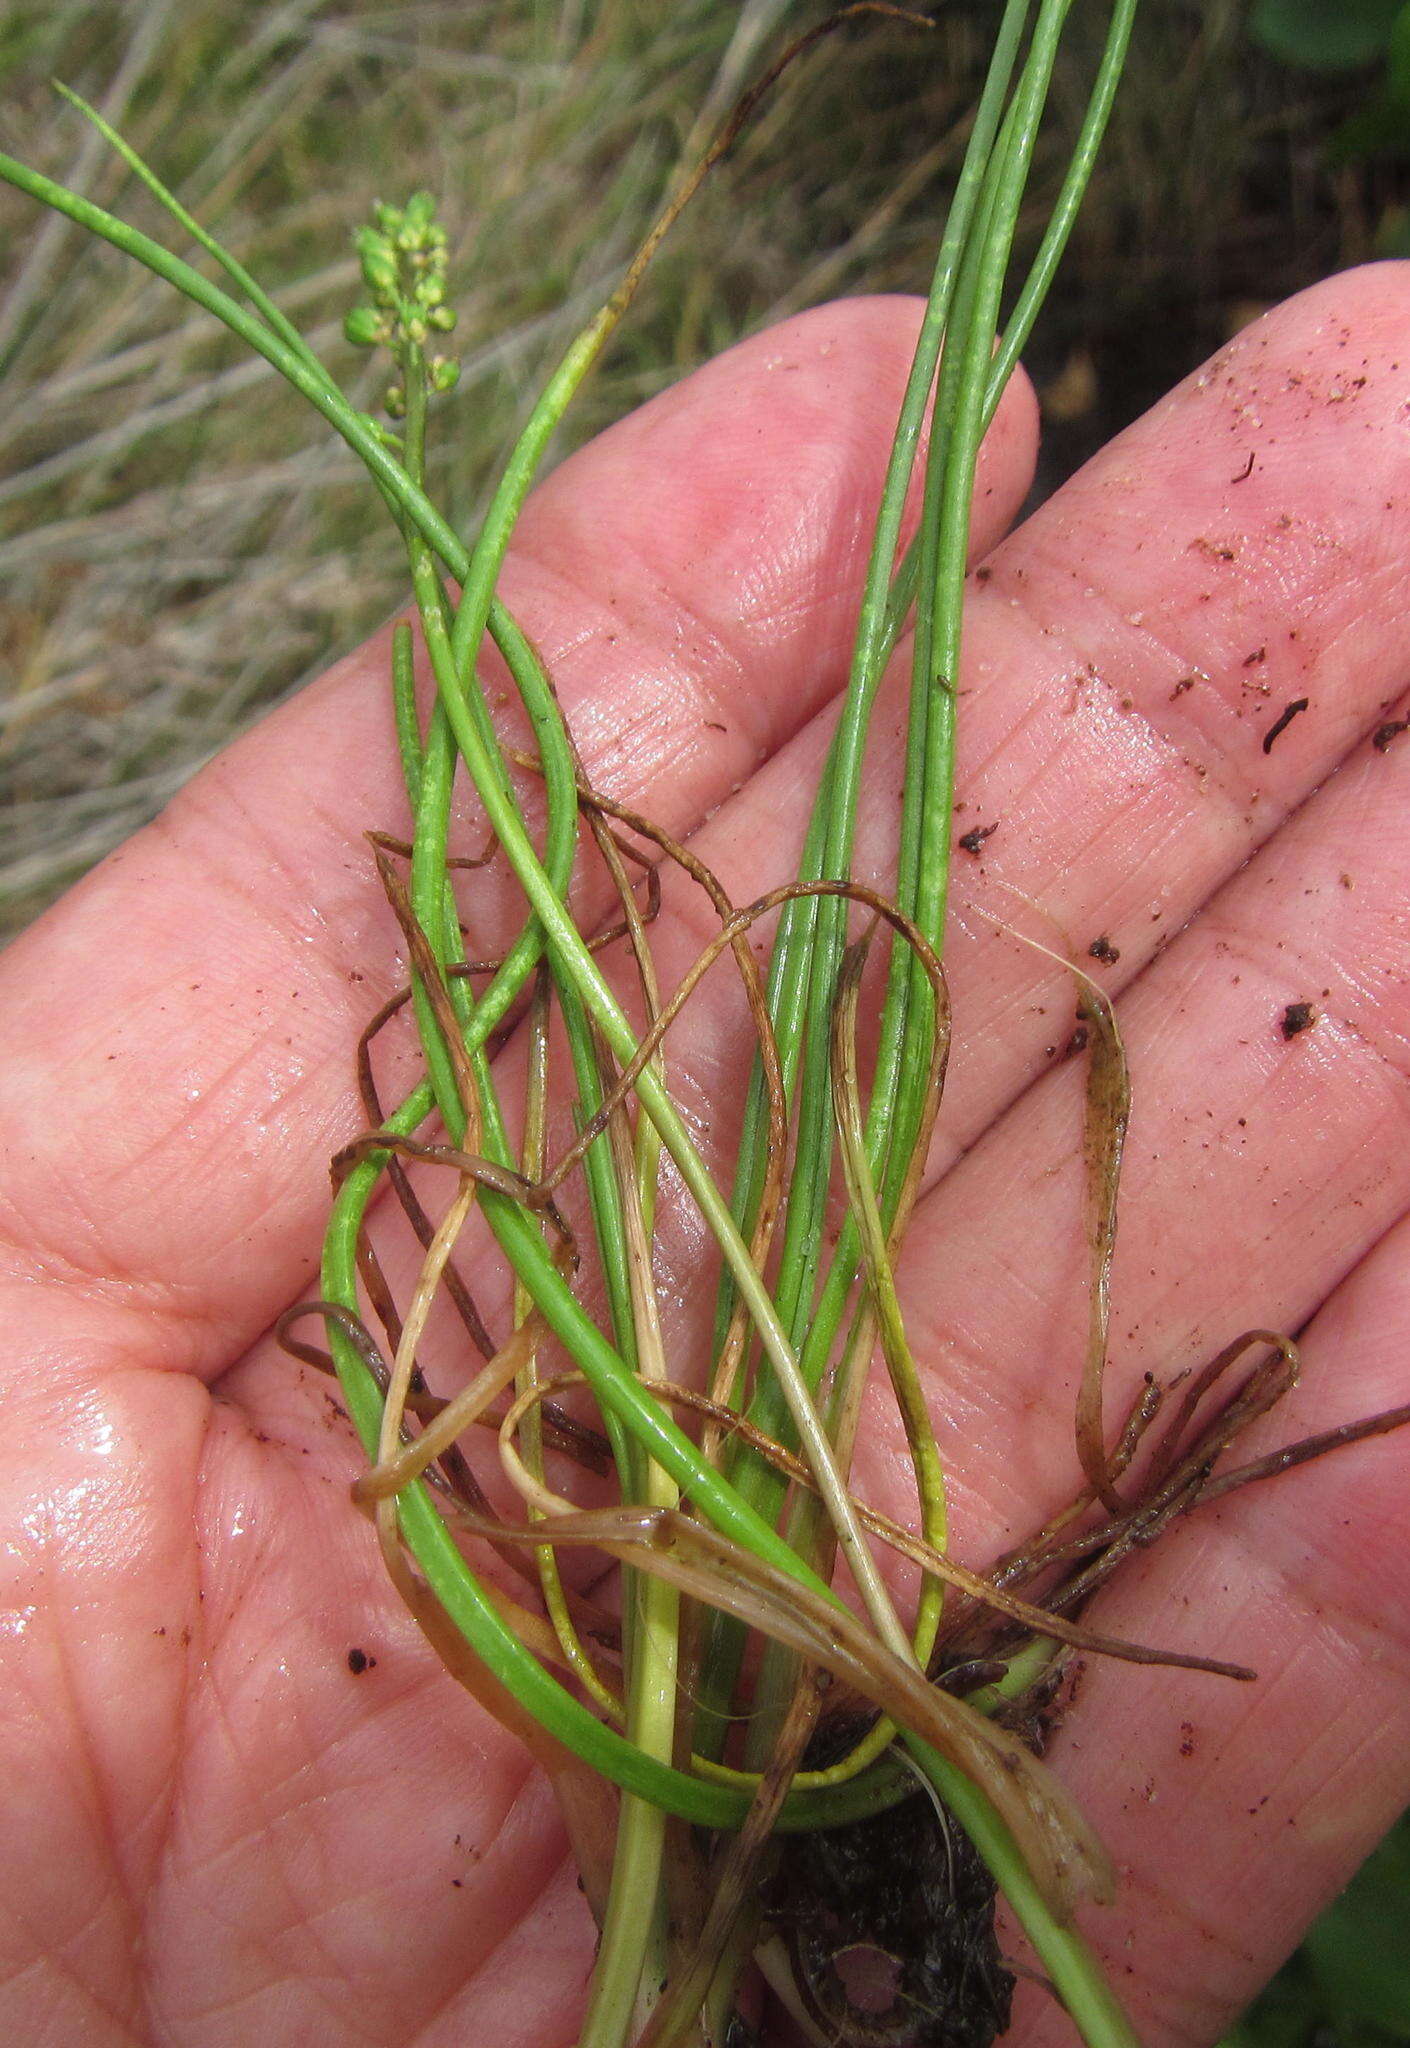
<point x="212" y="1830"/>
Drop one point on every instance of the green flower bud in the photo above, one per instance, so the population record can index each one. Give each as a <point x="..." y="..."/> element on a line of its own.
<point x="417" y="217"/>
<point x="442" y="317"/>
<point x="388" y="218"/>
<point x="445" y="373"/>
<point x="365" y="327"/>
<point x="379" y="263"/>
<point x="395" y="401"/>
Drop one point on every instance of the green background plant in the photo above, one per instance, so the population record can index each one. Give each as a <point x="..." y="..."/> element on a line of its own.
<point x="1326" y="38"/>
<point x="1366" y="37"/>
<point x="1348" y="1986"/>
<point x="545" y="130"/>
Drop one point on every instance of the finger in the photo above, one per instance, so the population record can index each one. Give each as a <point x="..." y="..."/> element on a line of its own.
<point x="1259" y="1167"/>
<point x="1118" y="799"/>
<point x="180" y="1031"/>
<point x="354" y="1849"/>
<point x="1235" y="1819"/>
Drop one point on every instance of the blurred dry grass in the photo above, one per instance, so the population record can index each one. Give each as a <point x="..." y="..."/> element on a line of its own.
<point x="182" y="541"/>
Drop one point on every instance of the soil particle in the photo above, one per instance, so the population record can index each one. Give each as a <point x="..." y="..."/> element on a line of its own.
<point x="359" y="1661"/>
<point x="1102" y="949"/>
<point x="890" y="1927"/>
<point x="973" y="841"/>
<point x="1391" y="730"/>
<point x="1295" y="1018"/>
<point x="1283" y="721"/>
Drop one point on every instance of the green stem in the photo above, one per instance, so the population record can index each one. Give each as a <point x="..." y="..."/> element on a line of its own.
<point x="811" y="933"/>
<point x="808" y="949"/>
<point x="253" y="290"/>
<point x="1074" y="1971"/>
<point x="629" y="1970"/>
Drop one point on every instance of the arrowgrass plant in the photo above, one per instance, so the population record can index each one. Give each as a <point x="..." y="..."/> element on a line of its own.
<point x="703" y="1702"/>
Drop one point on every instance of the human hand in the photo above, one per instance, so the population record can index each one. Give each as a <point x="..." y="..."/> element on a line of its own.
<point x="214" y="1830"/>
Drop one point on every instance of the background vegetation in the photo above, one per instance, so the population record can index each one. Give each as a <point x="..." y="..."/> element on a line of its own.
<point x="182" y="542"/>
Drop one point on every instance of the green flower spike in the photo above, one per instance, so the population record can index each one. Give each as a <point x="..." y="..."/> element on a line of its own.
<point x="403" y="257"/>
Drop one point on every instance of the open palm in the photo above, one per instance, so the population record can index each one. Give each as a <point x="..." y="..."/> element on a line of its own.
<point x="219" y="1825"/>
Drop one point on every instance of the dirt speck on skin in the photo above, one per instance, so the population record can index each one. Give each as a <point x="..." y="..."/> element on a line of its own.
<point x="359" y="1661"/>
<point x="1102" y="949"/>
<point x="1283" y="721"/>
<point x="1391" y="730"/>
<point x="1297" y="1017"/>
<point x="973" y="841"/>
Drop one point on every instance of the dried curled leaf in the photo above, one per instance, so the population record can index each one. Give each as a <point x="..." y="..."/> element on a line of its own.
<point x="1108" y="1112"/>
<point x="1067" y="1861"/>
